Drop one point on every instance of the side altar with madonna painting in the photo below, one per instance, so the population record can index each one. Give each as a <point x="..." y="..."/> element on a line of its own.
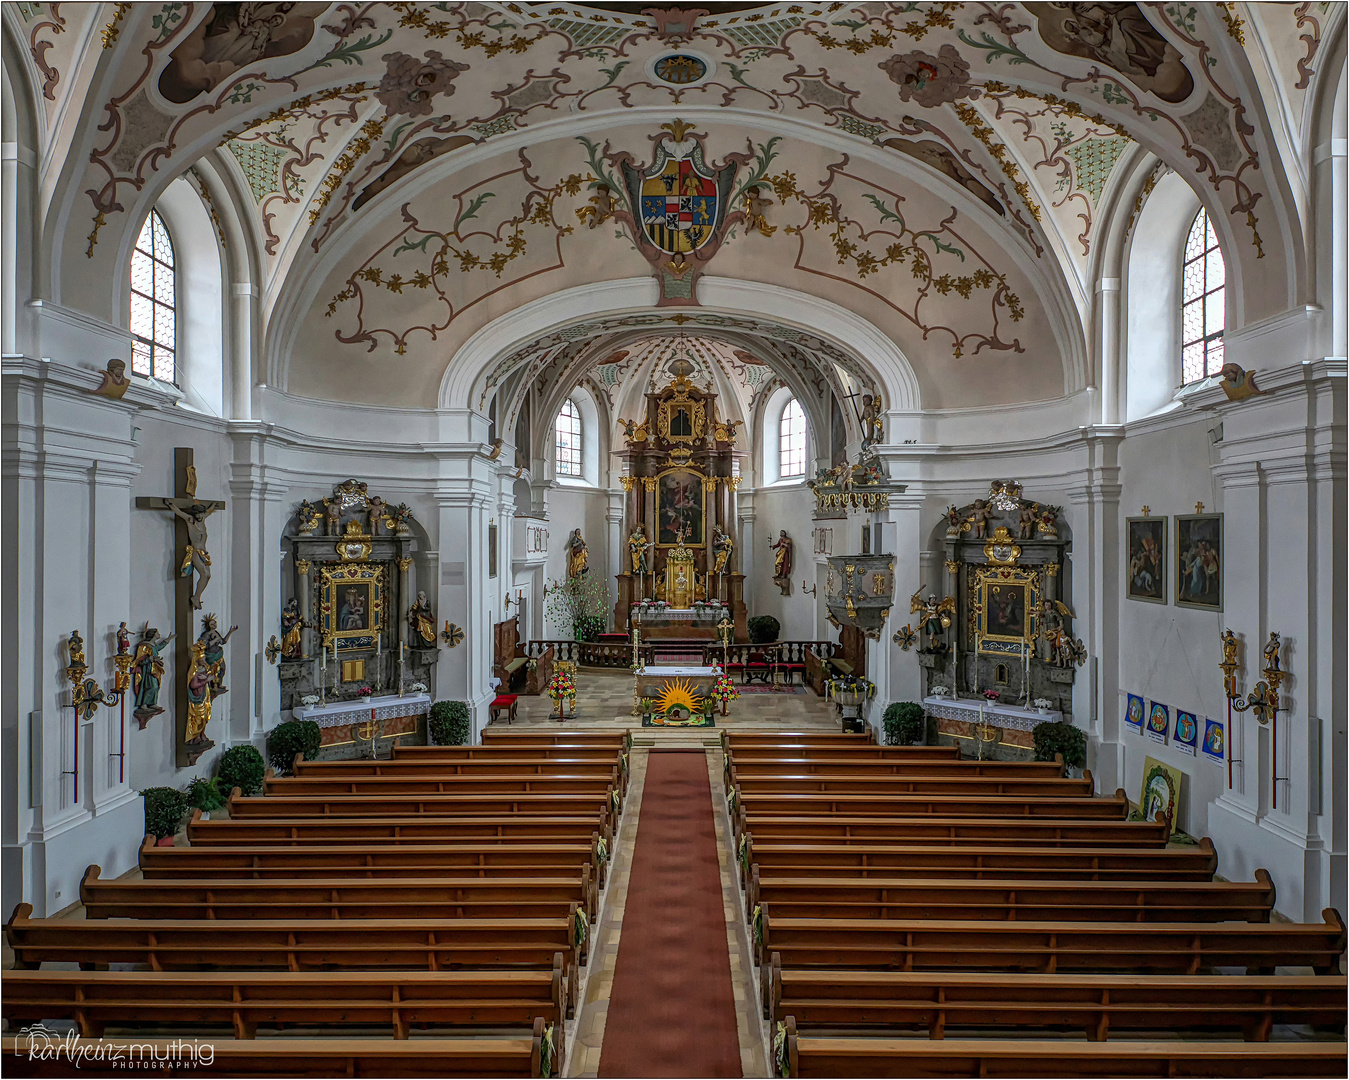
<point x="359" y="640"/>
<point x="680" y="482"/>
<point x="995" y="640"/>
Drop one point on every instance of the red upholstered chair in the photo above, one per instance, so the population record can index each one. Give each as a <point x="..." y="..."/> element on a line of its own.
<point x="759" y="666"/>
<point x="503" y="703"/>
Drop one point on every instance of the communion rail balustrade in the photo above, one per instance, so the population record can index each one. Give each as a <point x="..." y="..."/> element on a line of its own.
<point x="619" y="655"/>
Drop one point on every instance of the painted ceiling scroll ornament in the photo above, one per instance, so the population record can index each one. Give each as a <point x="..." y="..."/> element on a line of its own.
<point x="1120" y="37"/>
<point x="231" y="38"/>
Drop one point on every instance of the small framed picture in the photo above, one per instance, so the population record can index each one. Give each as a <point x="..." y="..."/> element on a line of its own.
<point x="1199" y="561"/>
<point x="1146" y="571"/>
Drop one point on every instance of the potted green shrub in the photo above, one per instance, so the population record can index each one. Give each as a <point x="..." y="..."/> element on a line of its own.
<point x="763" y="629"/>
<point x="905" y="723"/>
<point x="1060" y="737"/>
<point x="293" y="737"/>
<point x="240" y="767"/>
<point x="449" y="723"/>
<point x="204" y="794"/>
<point x="165" y="808"/>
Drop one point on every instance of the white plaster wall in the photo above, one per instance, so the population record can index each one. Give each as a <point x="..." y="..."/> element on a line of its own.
<point x="574" y="507"/>
<point x="790" y="507"/>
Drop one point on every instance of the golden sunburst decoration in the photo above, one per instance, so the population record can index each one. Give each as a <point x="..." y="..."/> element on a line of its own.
<point x="677" y="693"/>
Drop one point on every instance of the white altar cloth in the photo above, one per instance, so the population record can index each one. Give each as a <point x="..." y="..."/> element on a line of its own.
<point x="677" y="672"/>
<point x="358" y="711"/>
<point x="997" y="714"/>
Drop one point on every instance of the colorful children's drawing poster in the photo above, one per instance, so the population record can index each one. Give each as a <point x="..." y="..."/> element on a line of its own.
<point x="1159" y="721"/>
<point x="1160" y="797"/>
<point x="1215" y="740"/>
<point x="1186" y="736"/>
<point x="1133" y="713"/>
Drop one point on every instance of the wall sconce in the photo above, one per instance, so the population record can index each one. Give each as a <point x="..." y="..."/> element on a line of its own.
<point x="1262" y="701"/>
<point x="811" y="591"/>
<point x="87" y="696"/>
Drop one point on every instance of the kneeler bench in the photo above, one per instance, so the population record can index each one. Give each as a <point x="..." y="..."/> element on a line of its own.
<point x="503" y="703"/>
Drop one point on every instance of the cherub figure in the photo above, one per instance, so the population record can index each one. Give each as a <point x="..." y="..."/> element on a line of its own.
<point x="334" y="514"/>
<point x="1026" y="521"/>
<point x="114" y="383"/>
<point x="601" y="208"/>
<point x="980" y="512"/>
<point x="377" y="507"/>
<point x="756" y="208"/>
<point x="1271" y="652"/>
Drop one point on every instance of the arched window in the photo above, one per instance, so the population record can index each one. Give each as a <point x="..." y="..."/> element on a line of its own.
<point x="567" y="433"/>
<point x="792" y="441"/>
<point x="1203" y="302"/>
<point x="154" y="334"/>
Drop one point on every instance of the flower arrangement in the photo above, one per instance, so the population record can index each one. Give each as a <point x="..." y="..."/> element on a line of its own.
<point x="941" y="691"/>
<point x="647" y="704"/>
<point x="1043" y="704"/>
<point x="991" y="695"/>
<point x="365" y="691"/>
<point x="723" y="690"/>
<point x="419" y="688"/>
<point x="850" y="689"/>
<point x="561" y="685"/>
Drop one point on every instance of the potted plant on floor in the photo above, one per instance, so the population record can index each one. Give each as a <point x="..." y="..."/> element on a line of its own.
<point x="165" y="808"/>
<point x="1060" y="737"/>
<point x="240" y="767"/>
<point x="646" y="704"/>
<point x="290" y="738"/>
<point x="448" y="724"/>
<point x="905" y="723"/>
<point x="204" y="794"/>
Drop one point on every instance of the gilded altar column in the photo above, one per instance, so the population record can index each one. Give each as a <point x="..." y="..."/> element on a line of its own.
<point x="404" y="601"/>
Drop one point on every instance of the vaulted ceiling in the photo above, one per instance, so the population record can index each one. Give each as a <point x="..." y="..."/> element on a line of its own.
<point x="409" y="174"/>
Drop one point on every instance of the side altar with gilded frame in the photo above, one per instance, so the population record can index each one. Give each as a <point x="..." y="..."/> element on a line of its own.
<point x="680" y="484"/>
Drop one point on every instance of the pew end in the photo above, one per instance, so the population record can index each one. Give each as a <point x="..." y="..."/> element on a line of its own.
<point x="1262" y="878"/>
<point x="91" y="876"/>
<point x="22" y="915"/>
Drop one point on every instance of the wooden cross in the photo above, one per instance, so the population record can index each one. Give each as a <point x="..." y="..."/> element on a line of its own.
<point x="190" y="514"/>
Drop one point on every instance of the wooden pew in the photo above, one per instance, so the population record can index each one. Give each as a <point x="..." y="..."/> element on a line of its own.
<point x="1096" y="1004"/>
<point x="779" y="859"/>
<point x="870" y="786"/>
<point x="526" y="741"/>
<point x="736" y="740"/>
<point x="1043" y="901"/>
<point x="335" y="861"/>
<point x="448" y="807"/>
<point x="299" y="945"/>
<point x="333" y="898"/>
<point x="505" y="830"/>
<point x="584" y="780"/>
<point x="1101" y="808"/>
<point x="493" y="735"/>
<point x="487" y="761"/>
<point x="247" y="1000"/>
<point x="753" y="763"/>
<point x="1183" y="948"/>
<point x="423" y="1059"/>
<point x="843" y="830"/>
<point x="833" y="1056"/>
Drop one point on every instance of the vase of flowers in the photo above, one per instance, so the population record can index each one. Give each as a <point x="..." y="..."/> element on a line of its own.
<point x="992" y="696"/>
<point x="562" y="688"/>
<point x="1043" y="705"/>
<point x="366" y="692"/>
<point x="724" y="692"/>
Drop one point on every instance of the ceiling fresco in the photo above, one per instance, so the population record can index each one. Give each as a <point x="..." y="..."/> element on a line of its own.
<point x="412" y="171"/>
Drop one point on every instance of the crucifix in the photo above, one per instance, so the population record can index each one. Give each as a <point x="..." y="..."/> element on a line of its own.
<point x="190" y="514"/>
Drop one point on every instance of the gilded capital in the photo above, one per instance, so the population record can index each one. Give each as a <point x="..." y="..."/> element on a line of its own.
<point x="302" y="565"/>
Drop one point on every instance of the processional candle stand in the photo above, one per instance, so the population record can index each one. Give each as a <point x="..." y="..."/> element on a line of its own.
<point x="1262" y="701"/>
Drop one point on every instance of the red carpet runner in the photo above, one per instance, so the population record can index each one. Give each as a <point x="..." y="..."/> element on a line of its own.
<point x="671" y="1010"/>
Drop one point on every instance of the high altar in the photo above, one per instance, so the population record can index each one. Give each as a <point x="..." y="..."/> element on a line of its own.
<point x="680" y="512"/>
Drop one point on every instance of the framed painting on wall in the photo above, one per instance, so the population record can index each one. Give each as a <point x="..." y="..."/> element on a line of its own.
<point x="1133" y="713"/>
<point x="1199" y="552"/>
<point x="1186" y="736"/>
<point x="1146" y="571"/>
<point x="1008" y="599"/>
<point x="351" y="606"/>
<point x="1159" y="721"/>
